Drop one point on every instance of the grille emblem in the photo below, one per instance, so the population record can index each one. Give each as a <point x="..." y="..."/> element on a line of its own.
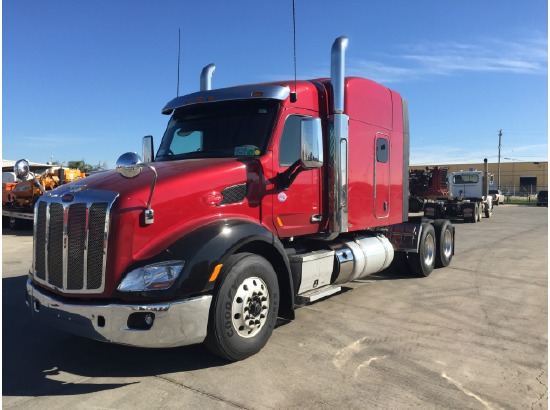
<point x="67" y="197"/>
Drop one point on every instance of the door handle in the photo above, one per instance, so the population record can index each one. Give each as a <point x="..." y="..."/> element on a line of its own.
<point x="316" y="218"/>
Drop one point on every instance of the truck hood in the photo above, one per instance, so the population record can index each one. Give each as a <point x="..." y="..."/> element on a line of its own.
<point x="174" y="179"/>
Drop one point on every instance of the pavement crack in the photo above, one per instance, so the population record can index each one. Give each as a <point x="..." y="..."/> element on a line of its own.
<point x="541" y="396"/>
<point x="212" y="396"/>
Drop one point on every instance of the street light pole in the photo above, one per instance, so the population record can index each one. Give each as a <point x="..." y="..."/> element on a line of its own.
<point x="499" y="143"/>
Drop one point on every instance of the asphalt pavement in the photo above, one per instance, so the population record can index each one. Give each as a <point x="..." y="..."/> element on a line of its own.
<point x="473" y="335"/>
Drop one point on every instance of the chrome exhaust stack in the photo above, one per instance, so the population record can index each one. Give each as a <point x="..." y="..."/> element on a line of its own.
<point x="338" y="143"/>
<point x="206" y="77"/>
<point x="337" y="67"/>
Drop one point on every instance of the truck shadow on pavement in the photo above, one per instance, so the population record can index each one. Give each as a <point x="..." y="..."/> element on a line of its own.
<point x="42" y="361"/>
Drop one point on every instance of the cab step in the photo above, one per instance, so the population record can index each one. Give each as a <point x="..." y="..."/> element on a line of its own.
<point x="316" y="294"/>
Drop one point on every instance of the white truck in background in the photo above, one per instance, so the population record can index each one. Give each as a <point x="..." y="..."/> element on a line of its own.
<point x="453" y="195"/>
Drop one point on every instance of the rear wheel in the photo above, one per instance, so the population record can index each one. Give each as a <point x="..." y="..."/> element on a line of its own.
<point x="423" y="262"/>
<point x="475" y="211"/>
<point x="444" y="243"/>
<point x="244" y="307"/>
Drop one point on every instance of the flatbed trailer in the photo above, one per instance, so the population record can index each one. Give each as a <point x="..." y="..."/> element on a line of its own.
<point x="15" y="219"/>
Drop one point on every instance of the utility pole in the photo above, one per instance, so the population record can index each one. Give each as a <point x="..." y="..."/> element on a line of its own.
<point x="499" y="144"/>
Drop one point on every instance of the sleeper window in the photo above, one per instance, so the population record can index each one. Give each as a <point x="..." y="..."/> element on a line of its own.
<point x="382" y="150"/>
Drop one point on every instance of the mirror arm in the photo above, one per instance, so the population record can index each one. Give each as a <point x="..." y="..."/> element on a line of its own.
<point x="287" y="177"/>
<point x="149" y="213"/>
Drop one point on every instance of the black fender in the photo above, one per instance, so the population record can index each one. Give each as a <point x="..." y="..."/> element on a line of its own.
<point x="206" y="247"/>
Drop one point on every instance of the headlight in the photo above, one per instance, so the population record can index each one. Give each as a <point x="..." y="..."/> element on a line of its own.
<point x="157" y="276"/>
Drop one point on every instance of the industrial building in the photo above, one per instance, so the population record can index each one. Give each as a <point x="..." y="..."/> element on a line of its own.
<point x="516" y="178"/>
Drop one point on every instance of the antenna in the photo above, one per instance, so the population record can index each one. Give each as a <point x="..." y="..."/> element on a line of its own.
<point x="294" y="95"/>
<point x="179" y="53"/>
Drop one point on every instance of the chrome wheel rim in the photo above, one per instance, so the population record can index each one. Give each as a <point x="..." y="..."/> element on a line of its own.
<point x="447" y="244"/>
<point x="250" y="307"/>
<point x="429" y="250"/>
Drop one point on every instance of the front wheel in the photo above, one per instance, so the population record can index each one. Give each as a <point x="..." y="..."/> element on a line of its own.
<point x="244" y="307"/>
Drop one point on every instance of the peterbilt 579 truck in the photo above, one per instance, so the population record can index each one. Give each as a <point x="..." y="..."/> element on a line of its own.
<point x="260" y="198"/>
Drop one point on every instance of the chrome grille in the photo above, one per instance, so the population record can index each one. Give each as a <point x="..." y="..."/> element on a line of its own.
<point x="55" y="246"/>
<point x="70" y="240"/>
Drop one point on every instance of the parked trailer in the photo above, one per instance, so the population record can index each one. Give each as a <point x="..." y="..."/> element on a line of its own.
<point x="260" y="198"/>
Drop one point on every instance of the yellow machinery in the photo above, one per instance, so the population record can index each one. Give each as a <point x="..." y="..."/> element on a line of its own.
<point x="18" y="198"/>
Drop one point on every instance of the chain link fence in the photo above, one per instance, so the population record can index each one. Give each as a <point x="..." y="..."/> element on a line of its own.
<point x="522" y="193"/>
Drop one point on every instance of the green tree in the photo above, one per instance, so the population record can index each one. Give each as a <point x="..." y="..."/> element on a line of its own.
<point x="87" y="168"/>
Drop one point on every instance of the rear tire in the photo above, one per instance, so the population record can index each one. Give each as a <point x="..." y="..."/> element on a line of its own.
<point x="475" y="211"/>
<point x="444" y="243"/>
<point x="423" y="262"/>
<point x="244" y="308"/>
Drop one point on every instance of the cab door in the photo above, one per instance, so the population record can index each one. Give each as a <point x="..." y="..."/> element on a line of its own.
<point x="296" y="210"/>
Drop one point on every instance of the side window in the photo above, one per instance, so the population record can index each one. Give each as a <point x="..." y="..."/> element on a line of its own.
<point x="289" y="147"/>
<point x="382" y="150"/>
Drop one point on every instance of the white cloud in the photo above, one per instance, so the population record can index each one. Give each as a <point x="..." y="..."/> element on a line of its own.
<point x="421" y="60"/>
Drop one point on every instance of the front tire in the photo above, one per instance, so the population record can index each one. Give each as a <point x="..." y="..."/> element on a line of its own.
<point x="244" y="308"/>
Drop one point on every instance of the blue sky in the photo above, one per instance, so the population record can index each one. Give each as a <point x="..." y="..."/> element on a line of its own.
<point x="87" y="79"/>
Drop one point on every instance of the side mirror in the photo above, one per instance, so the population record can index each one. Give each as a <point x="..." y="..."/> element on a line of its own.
<point x="22" y="169"/>
<point x="129" y="165"/>
<point x="148" y="149"/>
<point x="311" y="143"/>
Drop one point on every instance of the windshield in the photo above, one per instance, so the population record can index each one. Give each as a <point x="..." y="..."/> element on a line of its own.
<point x="219" y="130"/>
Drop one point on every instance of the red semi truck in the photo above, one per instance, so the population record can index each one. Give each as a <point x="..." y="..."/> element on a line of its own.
<point x="260" y="198"/>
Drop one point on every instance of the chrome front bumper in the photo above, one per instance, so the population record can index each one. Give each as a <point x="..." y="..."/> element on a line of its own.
<point x="176" y="323"/>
